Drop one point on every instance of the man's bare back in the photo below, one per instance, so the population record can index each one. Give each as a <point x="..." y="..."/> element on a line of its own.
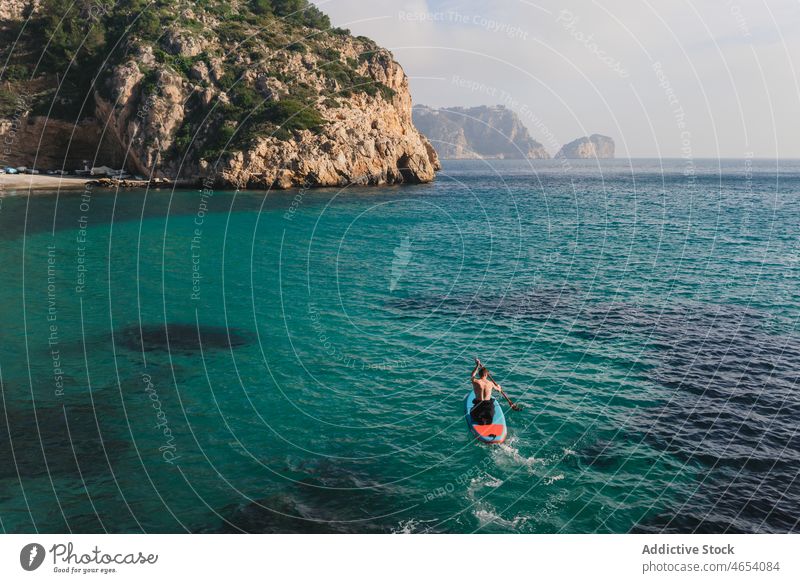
<point x="483" y="389"/>
<point x="481" y="384"/>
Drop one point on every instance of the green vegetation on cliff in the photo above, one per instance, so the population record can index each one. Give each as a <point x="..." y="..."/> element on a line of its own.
<point x="255" y="67"/>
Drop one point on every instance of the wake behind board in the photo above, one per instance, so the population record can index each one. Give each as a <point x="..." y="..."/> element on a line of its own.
<point x="496" y="432"/>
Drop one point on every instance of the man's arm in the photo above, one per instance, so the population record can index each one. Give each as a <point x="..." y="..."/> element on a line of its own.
<point x="477" y="366"/>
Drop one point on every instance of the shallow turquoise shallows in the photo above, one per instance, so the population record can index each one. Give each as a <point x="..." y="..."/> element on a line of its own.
<point x="297" y="361"/>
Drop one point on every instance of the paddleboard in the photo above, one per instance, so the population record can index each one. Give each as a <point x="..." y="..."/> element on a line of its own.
<point x="496" y="432"/>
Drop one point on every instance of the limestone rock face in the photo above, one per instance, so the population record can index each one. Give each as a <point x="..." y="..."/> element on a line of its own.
<point x="343" y="154"/>
<point x="477" y="132"/>
<point x="143" y="121"/>
<point x="371" y="141"/>
<point x="594" y="146"/>
<point x="56" y="144"/>
<point x="16" y="9"/>
<point x="185" y="45"/>
<point x="365" y="139"/>
<point x="238" y="103"/>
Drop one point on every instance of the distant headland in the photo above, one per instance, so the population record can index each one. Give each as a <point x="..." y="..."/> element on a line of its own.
<point x="594" y="146"/>
<point x="494" y="132"/>
<point x="477" y="132"/>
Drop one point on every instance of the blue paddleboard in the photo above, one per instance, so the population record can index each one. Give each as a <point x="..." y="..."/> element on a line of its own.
<point x="496" y="432"/>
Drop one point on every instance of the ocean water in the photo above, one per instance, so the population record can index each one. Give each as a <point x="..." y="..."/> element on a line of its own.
<point x="297" y="361"/>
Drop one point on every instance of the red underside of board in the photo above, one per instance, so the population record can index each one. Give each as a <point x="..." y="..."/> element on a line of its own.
<point x="488" y="430"/>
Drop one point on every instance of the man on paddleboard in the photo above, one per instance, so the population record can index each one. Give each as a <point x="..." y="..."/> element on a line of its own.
<point x="482" y="411"/>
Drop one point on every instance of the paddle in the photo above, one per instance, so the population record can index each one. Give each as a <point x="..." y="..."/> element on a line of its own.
<point x="511" y="404"/>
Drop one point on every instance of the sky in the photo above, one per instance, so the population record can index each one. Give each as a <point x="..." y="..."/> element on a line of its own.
<point x="669" y="78"/>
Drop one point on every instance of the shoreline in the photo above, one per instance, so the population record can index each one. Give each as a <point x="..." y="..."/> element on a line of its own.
<point x="15" y="183"/>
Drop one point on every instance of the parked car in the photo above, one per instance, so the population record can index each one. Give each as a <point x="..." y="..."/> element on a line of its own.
<point x="10" y="170"/>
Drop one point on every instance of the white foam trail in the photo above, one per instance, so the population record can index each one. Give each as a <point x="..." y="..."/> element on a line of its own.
<point x="507" y="453"/>
<point x="485" y="480"/>
<point x="552" y="479"/>
<point x="410" y="526"/>
<point x="487" y="517"/>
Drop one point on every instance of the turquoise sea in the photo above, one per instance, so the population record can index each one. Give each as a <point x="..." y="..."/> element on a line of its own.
<point x="297" y="361"/>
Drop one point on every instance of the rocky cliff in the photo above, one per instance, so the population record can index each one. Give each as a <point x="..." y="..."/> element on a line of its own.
<point x="477" y="132"/>
<point x="16" y="9"/>
<point x="39" y="142"/>
<point x="258" y="93"/>
<point x="594" y="146"/>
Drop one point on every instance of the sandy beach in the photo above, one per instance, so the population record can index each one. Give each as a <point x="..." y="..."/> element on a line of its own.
<point x="9" y="183"/>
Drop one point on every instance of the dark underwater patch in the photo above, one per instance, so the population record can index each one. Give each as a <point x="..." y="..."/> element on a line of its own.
<point x="685" y="523"/>
<point x="61" y="441"/>
<point x="601" y="456"/>
<point x="535" y="303"/>
<point x="314" y="509"/>
<point x="729" y="410"/>
<point x="731" y="503"/>
<point x="175" y="337"/>
<point x="326" y="498"/>
<point x="279" y="514"/>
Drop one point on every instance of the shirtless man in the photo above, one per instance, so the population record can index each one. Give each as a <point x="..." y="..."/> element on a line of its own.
<point x="482" y="411"/>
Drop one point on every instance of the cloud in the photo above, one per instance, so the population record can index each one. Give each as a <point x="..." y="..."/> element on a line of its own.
<point x="588" y="66"/>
